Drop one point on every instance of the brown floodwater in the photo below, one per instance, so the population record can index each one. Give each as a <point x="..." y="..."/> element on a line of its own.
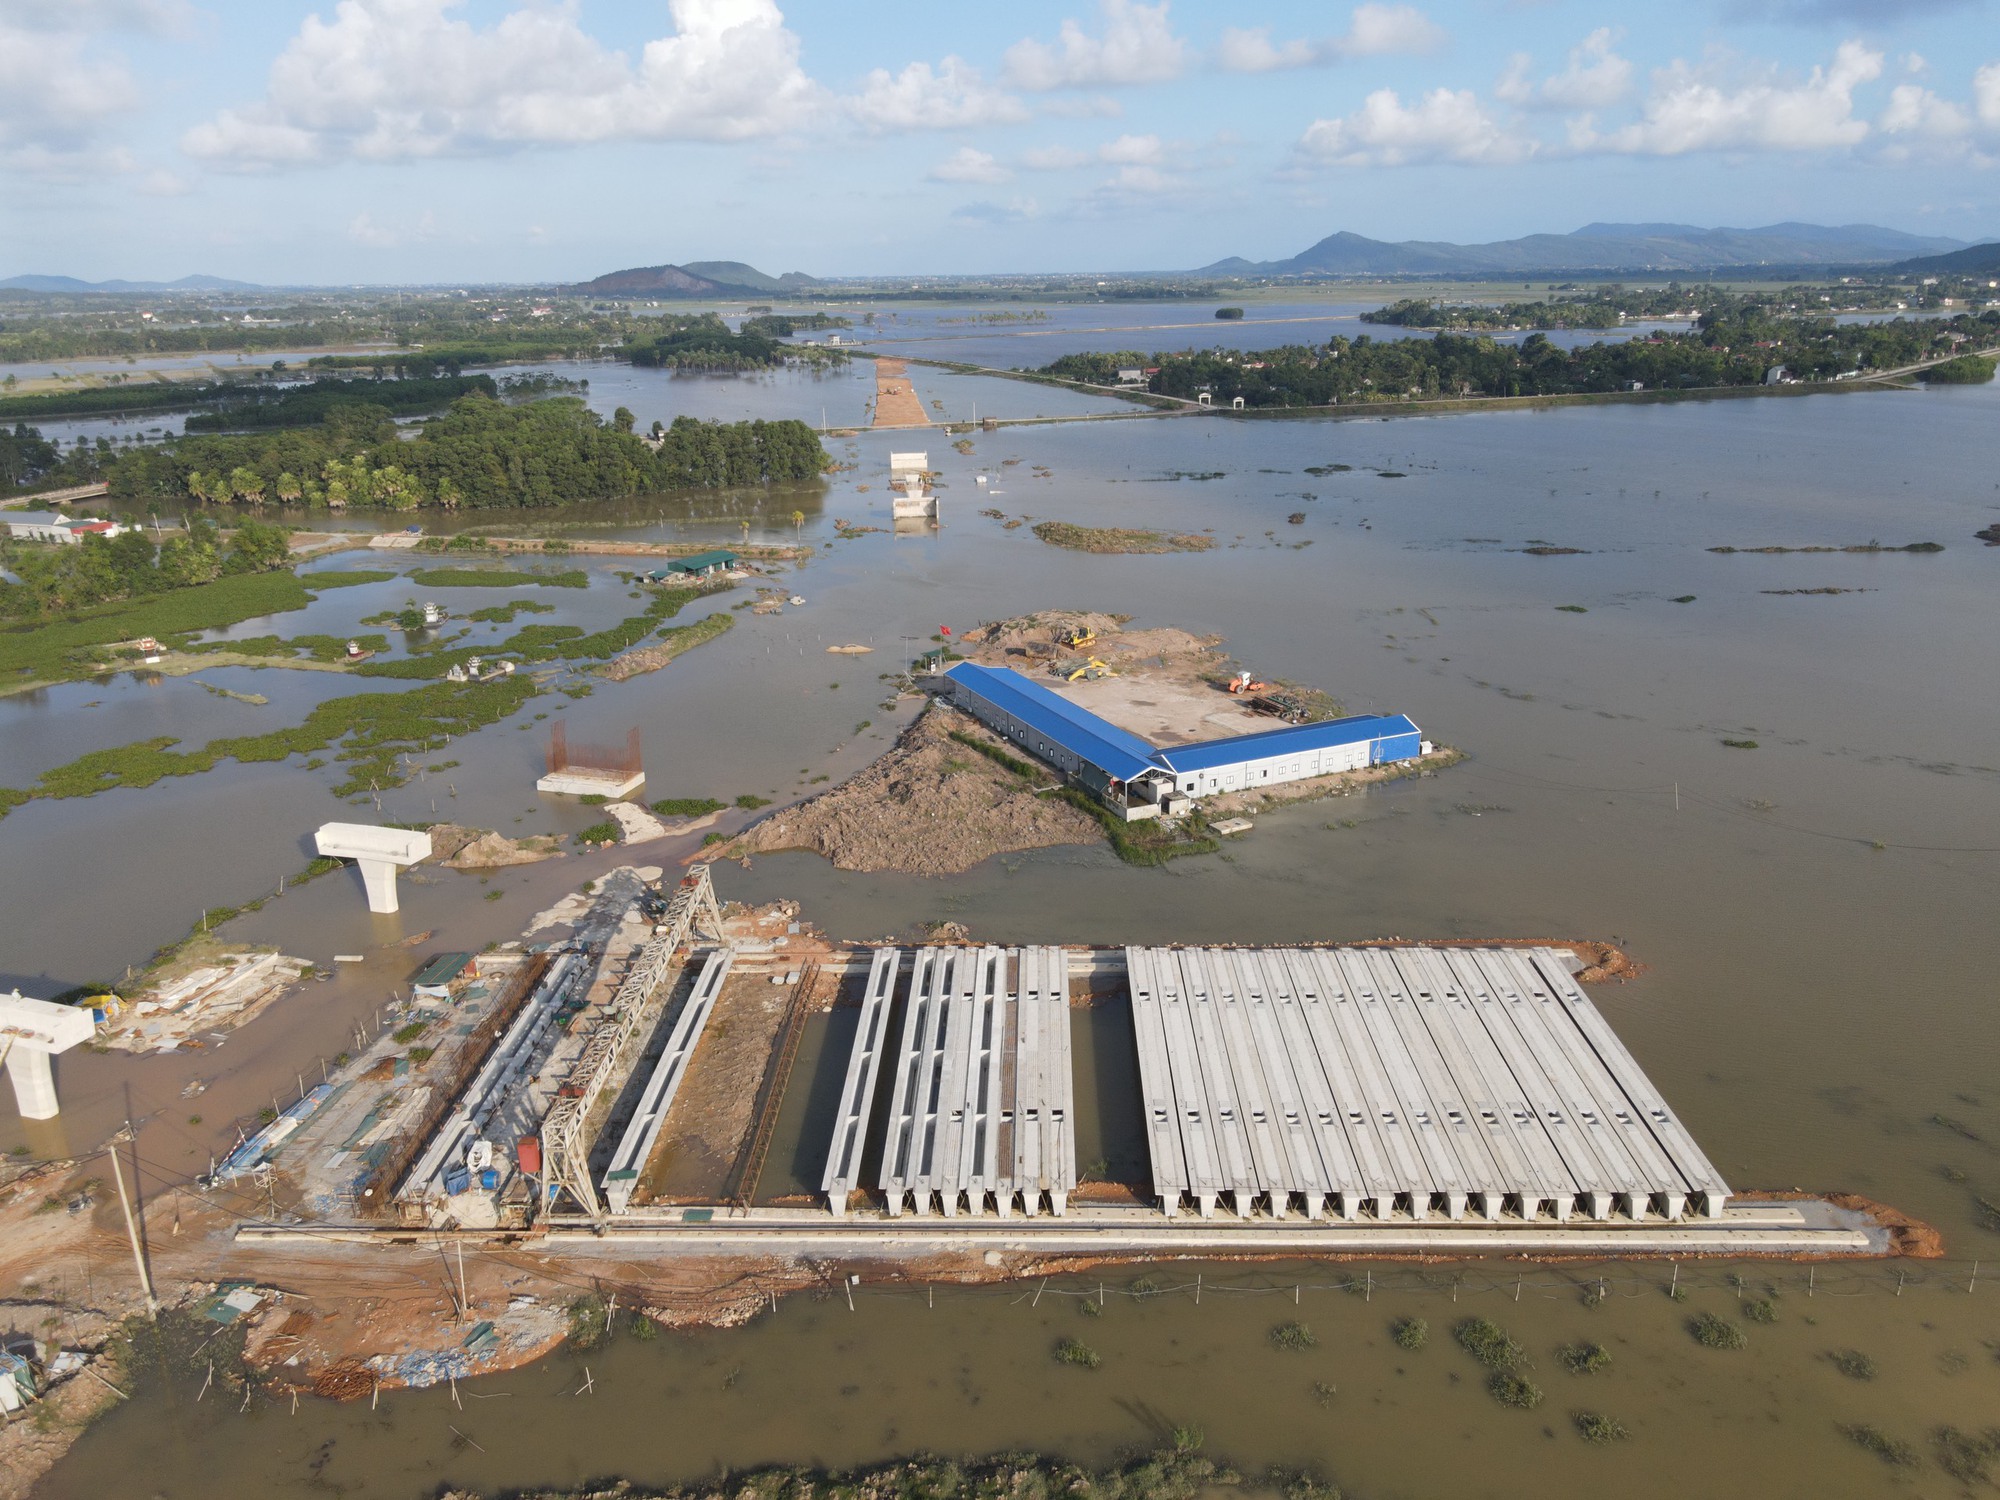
<point x="1815" y="914"/>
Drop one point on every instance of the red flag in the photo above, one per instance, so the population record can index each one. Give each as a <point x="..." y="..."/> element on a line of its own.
<point x="944" y="630"/>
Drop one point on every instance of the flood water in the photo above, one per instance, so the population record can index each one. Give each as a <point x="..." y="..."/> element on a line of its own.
<point x="1815" y="915"/>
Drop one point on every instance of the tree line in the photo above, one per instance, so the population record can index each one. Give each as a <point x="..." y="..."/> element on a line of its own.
<point x="99" y="570"/>
<point x="1729" y="347"/>
<point x="481" y="454"/>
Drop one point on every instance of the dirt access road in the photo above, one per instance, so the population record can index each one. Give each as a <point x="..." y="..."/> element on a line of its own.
<point x="897" y="403"/>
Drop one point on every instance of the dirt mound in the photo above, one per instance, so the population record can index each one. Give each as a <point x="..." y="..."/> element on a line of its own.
<point x="457" y="847"/>
<point x="1110" y="539"/>
<point x="933" y="805"/>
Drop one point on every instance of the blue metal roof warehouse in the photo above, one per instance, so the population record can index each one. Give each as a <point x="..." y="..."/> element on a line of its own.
<point x="1100" y="754"/>
<point x="1266" y="744"/>
<point x="1117" y="752"/>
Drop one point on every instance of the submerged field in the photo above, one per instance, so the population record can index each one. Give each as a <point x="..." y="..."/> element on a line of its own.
<point x="1811" y="915"/>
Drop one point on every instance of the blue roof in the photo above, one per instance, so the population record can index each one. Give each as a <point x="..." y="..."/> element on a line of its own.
<point x="1116" y="752"/>
<point x="1293" y="739"/>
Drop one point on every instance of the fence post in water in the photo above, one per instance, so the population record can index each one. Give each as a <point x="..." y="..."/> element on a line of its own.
<point x="1899" y="1283"/>
<point x="1038" y="1292"/>
<point x="1517" y="1288"/>
<point x="1672" y="1289"/>
<point x="1975" y="1279"/>
<point x="848" y="1287"/>
<point x="1812" y="1272"/>
<point x="1197" y="1289"/>
<point x="1369" y="1294"/>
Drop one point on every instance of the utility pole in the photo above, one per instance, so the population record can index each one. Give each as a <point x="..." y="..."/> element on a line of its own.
<point x="132" y="1233"/>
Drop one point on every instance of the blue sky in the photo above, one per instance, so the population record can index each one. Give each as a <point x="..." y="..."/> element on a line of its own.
<point x="482" y="140"/>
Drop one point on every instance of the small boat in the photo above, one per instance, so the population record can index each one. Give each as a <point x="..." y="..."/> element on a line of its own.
<point x="796" y="600"/>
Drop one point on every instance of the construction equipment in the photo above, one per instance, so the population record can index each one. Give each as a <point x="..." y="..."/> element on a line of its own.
<point x="1287" y="706"/>
<point x="1077" y="638"/>
<point x="1242" y="684"/>
<point x="1074" y="670"/>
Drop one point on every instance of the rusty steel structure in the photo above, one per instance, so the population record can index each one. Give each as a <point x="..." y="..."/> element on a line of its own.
<point x="618" y="761"/>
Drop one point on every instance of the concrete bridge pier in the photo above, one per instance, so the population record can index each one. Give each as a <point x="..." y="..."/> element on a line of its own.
<point x="34" y="1083"/>
<point x="32" y="1032"/>
<point x="1674" y="1205"/>
<point x="380" y="852"/>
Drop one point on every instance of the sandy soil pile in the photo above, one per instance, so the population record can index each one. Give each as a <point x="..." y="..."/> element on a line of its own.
<point x="931" y="806"/>
<point x="457" y="847"/>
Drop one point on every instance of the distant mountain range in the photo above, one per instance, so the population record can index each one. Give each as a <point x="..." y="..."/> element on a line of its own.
<point x="1973" y="260"/>
<point x="698" y="278"/>
<point x="71" y="284"/>
<point x="1601" y="247"/>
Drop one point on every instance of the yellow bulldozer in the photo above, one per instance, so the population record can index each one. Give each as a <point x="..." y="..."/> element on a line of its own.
<point x="1077" y="638"/>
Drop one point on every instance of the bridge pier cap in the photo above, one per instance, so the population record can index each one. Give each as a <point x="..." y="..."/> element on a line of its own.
<point x="380" y="852"/>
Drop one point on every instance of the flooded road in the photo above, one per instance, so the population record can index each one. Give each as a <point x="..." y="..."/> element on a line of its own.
<point x="1815" y="915"/>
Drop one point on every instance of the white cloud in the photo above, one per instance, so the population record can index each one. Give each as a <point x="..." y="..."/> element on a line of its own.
<point x="56" y="89"/>
<point x="951" y="97"/>
<point x="1373" y="31"/>
<point x="969" y="165"/>
<point x="390" y="79"/>
<point x="1389" y="31"/>
<point x="161" y="183"/>
<point x="1442" y="126"/>
<point x="1138" y="45"/>
<point x="363" y="230"/>
<point x="1915" y="110"/>
<point x="1133" y="150"/>
<point x="1688" y="110"/>
<point x="1253" y="51"/>
<point x="1596" y="77"/>
<point x="1053" y="158"/>
<point x="1013" y="211"/>
<point x="1986" y="94"/>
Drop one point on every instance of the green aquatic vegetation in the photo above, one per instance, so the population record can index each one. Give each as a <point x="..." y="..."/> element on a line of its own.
<point x="65" y="649"/>
<point x="375" y="729"/>
<point x="1853" y="1364"/>
<point x="750" y="802"/>
<point x="1965" y="1456"/>
<point x="1893" y="1451"/>
<point x="1076" y="1352"/>
<point x="1595" y="1427"/>
<point x="1741" y="744"/>
<point x="1584" y="1359"/>
<point x="589" y="1322"/>
<point x="498" y="578"/>
<point x="1410" y="1333"/>
<point x="1712" y="1332"/>
<point x="1594" y="1294"/>
<point x="1761" y="1310"/>
<point x="1144" y="1287"/>
<point x="503" y="614"/>
<point x="1089" y="1309"/>
<point x="1489" y="1343"/>
<point x="1684" y="599"/>
<point x="598" y="833"/>
<point x="335" y="578"/>
<point x="1515" y="1391"/>
<point x="1572" y="609"/>
<point x="1323" y="1393"/>
<point x="1294" y="1337"/>
<point x="687" y="807"/>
